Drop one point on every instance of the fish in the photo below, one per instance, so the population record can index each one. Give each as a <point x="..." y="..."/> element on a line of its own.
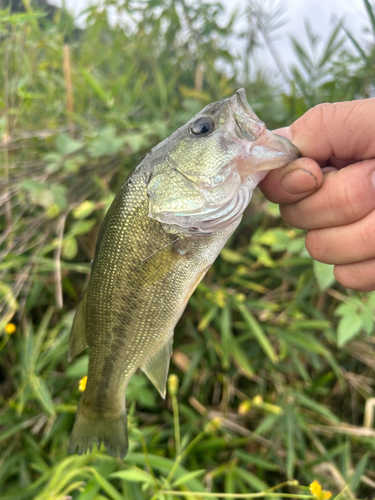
<point x="166" y="226"/>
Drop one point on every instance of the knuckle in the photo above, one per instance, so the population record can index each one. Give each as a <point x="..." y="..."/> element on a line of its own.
<point x="316" y="118"/>
<point x="344" y="275"/>
<point x="290" y="213"/>
<point x="367" y="238"/>
<point x="314" y="245"/>
<point x="344" y="203"/>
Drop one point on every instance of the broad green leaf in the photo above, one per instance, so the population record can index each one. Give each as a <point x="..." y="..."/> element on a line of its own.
<point x="67" y="145"/>
<point x="84" y="209"/>
<point x="349" y="326"/>
<point x="39" y="193"/>
<point x="81" y="227"/>
<point x="79" y="368"/>
<point x="324" y="275"/>
<point x="70" y="249"/>
<point x="106" y="143"/>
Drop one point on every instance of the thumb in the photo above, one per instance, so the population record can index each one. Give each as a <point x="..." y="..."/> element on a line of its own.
<point x="293" y="182"/>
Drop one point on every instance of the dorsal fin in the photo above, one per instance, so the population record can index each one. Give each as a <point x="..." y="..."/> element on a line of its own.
<point x="77" y="340"/>
<point x="157" y="366"/>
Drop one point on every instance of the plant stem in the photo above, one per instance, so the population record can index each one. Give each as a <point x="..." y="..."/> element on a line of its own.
<point x="261" y="494"/>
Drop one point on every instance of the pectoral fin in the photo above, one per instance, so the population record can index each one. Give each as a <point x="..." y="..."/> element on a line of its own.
<point x="157" y="366"/>
<point x="77" y="340"/>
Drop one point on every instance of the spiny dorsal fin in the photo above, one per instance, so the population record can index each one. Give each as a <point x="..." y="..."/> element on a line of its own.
<point x="77" y="340"/>
<point x="157" y="366"/>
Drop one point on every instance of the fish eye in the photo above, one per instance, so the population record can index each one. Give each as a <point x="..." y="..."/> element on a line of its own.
<point x="202" y="126"/>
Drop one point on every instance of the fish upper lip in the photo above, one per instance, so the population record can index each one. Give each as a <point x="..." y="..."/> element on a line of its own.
<point x="238" y="101"/>
<point x="241" y="95"/>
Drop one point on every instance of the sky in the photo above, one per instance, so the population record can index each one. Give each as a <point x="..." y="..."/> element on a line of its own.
<point x="321" y="14"/>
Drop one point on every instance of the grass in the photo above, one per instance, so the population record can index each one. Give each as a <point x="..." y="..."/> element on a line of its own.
<point x="271" y="385"/>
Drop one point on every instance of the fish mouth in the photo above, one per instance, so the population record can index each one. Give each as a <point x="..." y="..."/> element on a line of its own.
<point x="247" y="125"/>
<point x="267" y="149"/>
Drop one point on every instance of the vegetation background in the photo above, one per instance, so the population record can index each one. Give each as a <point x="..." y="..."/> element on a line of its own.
<point x="273" y="363"/>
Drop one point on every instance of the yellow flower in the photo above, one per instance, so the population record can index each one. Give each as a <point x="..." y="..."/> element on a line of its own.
<point x="244" y="407"/>
<point x="82" y="384"/>
<point x="258" y="400"/>
<point x="213" y="425"/>
<point x="317" y="492"/>
<point x="173" y="384"/>
<point x="10" y="328"/>
<point x="315" y="489"/>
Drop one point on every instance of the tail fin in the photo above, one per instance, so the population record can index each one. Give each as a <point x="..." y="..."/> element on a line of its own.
<point x="111" y="431"/>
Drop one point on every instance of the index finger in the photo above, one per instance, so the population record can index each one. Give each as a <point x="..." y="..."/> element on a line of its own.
<point x="343" y="130"/>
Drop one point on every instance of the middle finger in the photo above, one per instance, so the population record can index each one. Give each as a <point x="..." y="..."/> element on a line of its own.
<point x="345" y="196"/>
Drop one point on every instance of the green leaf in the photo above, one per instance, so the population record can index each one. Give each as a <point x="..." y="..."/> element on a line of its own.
<point x="67" y="145"/>
<point x="106" y="143"/>
<point x="346" y="308"/>
<point x="164" y="465"/>
<point x="367" y="321"/>
<point x="186" y="477"/>
<point x="277" y="238"/>
<point x="106" y="485"/>
<point x="81" y="227"/>
<point x="251" y="479"/>
<point x="97" y="88"/>
<point x="84" y="209"/>
<point x="78" y="368"/>
<point x="360" y="469"/>
<point x="70" y="249"/>
<point x="39" y="193"/>
<point x="133" y="475"/>
<point x="59" y="195"/>
<point x="258" y="333"/>
<point x="324" y="275"/>
<point x="42" y="393"/>
<point x="349" y="326"/>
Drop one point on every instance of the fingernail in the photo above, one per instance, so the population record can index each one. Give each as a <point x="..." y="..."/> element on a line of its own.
<point x="299" y="181"/>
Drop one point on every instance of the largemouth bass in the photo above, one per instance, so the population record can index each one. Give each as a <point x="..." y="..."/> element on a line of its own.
<point x="163" y="231"/>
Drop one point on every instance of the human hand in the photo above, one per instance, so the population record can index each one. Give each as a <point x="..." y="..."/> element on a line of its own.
<point x="336" y="204"/>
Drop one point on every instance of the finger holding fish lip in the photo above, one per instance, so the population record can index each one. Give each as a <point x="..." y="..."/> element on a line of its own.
<point x="291" y="183"/>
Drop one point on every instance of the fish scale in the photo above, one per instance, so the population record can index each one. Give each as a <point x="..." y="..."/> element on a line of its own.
<point x="145" y="268"/>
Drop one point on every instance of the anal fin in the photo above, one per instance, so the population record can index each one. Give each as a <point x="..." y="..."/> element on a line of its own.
<point x="157" y="366"/>
<point x="77" y="340"/>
